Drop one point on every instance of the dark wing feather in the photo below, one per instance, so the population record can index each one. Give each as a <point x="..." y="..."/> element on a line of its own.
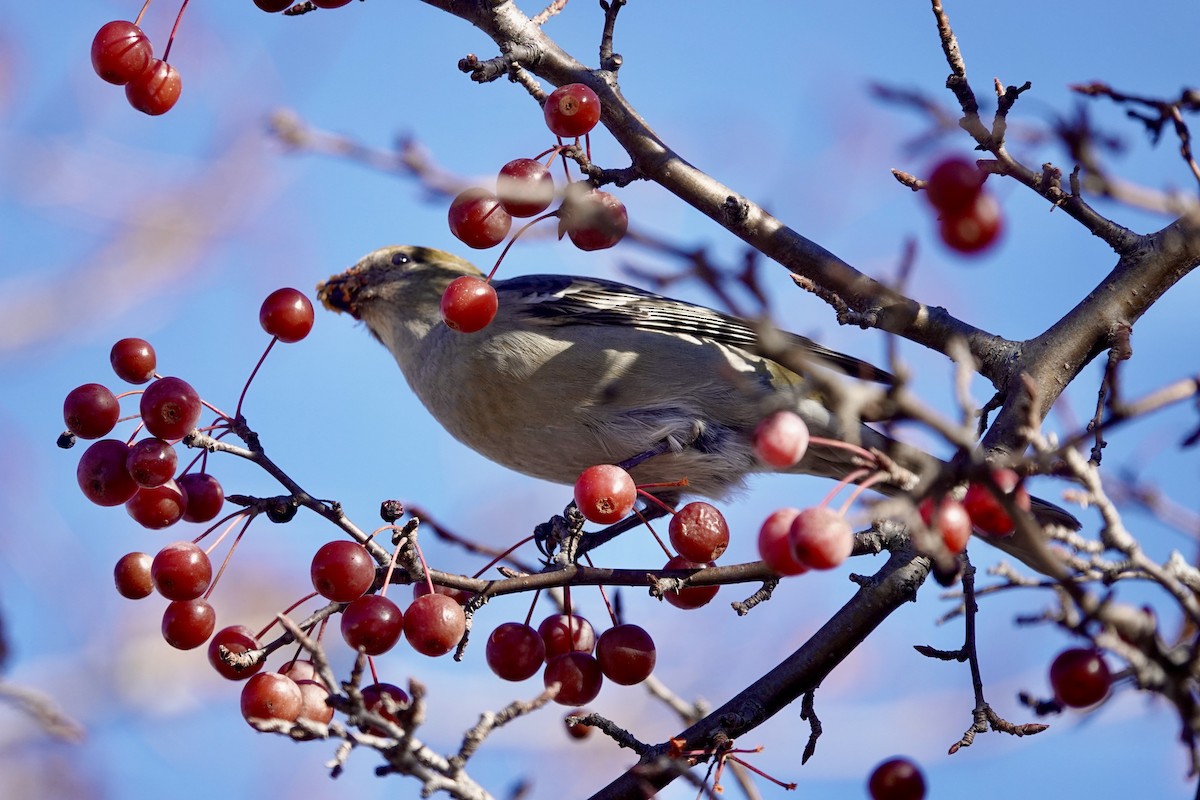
<point x="563" y="300"/>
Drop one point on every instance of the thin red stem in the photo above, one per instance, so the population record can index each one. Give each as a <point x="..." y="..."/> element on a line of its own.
<point x="174" y="29"/>
<point x="138" y="20"/>
<point x="253" y="372"/>
<point x="501" y="557"/>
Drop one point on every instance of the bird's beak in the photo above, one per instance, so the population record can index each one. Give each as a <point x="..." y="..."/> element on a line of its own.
<point x="340" y="292"/>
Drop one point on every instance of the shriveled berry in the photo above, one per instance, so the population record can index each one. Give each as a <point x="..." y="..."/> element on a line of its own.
<point x="699" y="531"/>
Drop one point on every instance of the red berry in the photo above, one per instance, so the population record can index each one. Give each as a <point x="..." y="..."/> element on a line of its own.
<point x="775" y="544"/>
<point x="299" y="670"/>
<point x="950" y="519"/>
<point x="157" y="507"/>
<point x="151" y="462"/>
<point x="985" y="510"/>
<point x="271" y="696"/>
<point x="181" y="571"/>
<point x="821" y="538"/>
<point x="571" y="110"/>
<point x="342" y="570"/>
<point x="170" y="408"/>
<point x="237" y="639"/>
<point x="434" y="624"/>
<point x="312" y="702"/>
<point x="605" y="493"/>
<point x="469" y="304"/>
<point x="132" y="575"/>
<point x="699" y="532"/>
<point x="102" y="475"/>
<point x="578" y="675"/>
<point x="567" y="633"/>
<point x="204" y="496"/>
<point x="287" y="315"/>
<point x="594" y="220"/>
<point x="781" y="439"/>
<point x="525" y="187"/>
<point x="577" y="730"/>
<point x="954" y="184"/>
<point x="373" y="623"/>
<point x="973" y="229"/>
<point x="515" y="651"/>
<point x="120" y="51"/>
<point x="1079" y="677"/>
<point x="626" y="654"/>
<point x="478" y="219"/>
<point x="690" y="596"/>
<point x="897" y="779"/>
<point x="376" y="698"/>
<point x="187" y="624"/>
<point x="273" y="6"/>
<point x="156" y="90"/>
<point x="133" y="360"/>
<point x="91" y="411"/>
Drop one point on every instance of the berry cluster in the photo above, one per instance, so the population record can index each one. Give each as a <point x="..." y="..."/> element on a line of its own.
<point x="144" y="475"/>
<point x="123" y="55"/>
<point x="592" y="219"/>
<point x="969" y="218"/>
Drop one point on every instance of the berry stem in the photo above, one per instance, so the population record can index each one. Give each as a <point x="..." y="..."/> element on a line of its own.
<point x="138" y="22"/>
<point x="424" y="567"/>
<point x="387" y="576"/>
<point x="374" y="674"/>
<point x="532" y="605"/>
<point x="862" y="487"/>
<point x="654" y="533"/>
<point x="603" y="594"/>
<point x="654" y="500"/>
<point x="834" y="443"/>
<point x="229" y="555"/>
<point x="174" y="28"/>
<point x="285" y="612"/>
<point x="512" y="239"/>
<point x="253" y="372"/>
<point x="851" y="478"/>
<point x="501" y="557"/>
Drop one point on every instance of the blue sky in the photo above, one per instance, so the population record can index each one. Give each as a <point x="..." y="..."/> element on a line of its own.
<point x="114" y="224"/>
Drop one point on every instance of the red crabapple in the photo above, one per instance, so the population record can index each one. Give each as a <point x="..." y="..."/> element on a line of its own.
<point x="821" y="538"/>
<point x="605" y="493"/>
<point x="469" y="304"/>
<point x="571" y="110"/>
<point x="781" y="439"/>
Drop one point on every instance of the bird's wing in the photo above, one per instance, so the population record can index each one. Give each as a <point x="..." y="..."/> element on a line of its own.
<point x="564" y="300"/>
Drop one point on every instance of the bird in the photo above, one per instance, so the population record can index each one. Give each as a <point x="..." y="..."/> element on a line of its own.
<point x="578" y="371"/>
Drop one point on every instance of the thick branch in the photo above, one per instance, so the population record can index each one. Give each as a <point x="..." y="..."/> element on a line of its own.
<point x="801" y="672"/>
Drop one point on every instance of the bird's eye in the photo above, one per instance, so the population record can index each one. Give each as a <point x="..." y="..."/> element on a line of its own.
<point x="399" y="259"/>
